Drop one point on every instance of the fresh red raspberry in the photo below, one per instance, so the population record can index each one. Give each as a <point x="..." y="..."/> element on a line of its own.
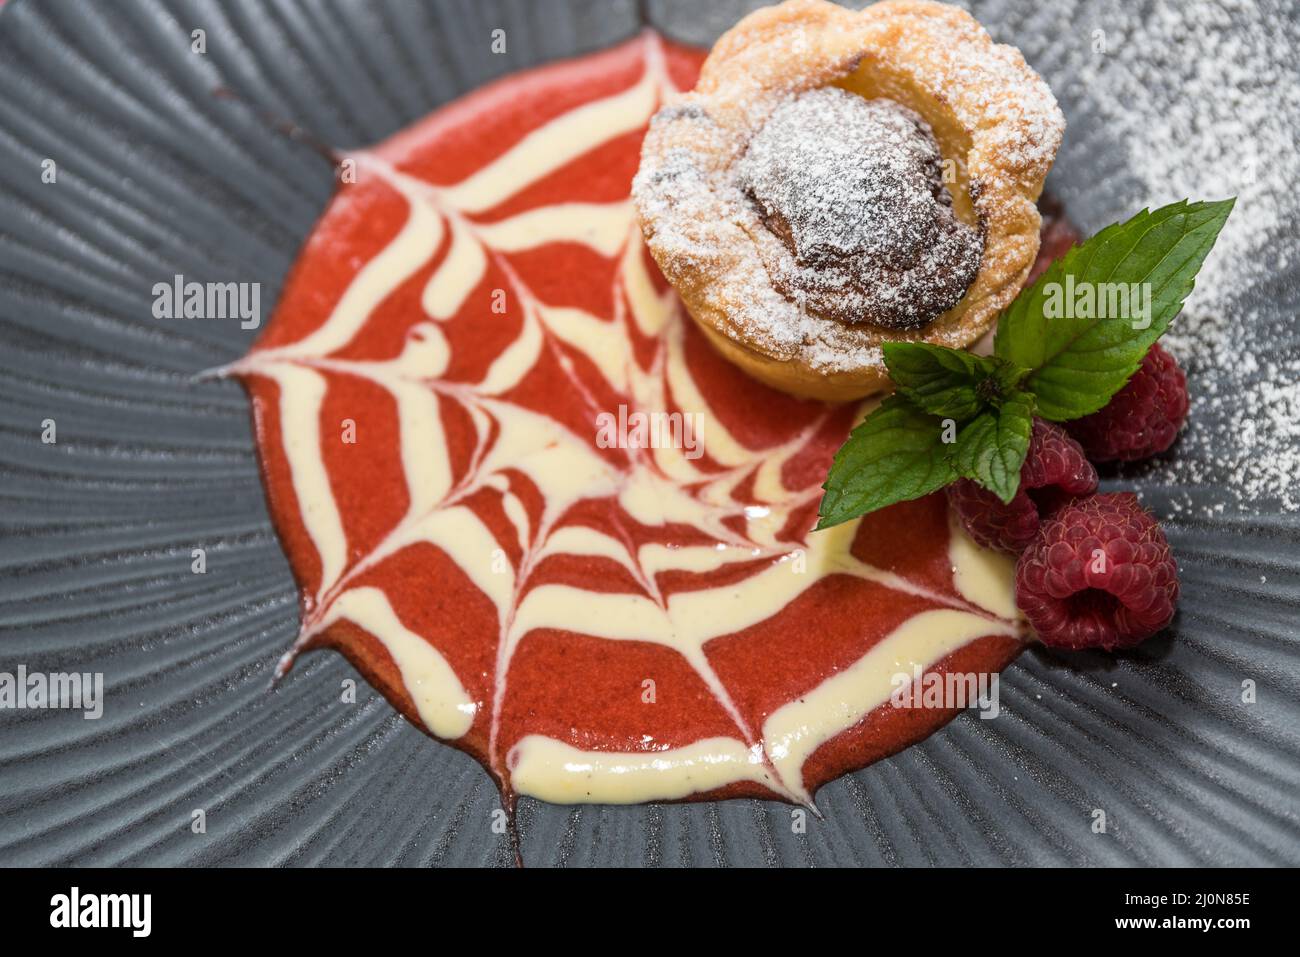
<point x="1098" y="575"/>
<point x="1143" y="418"/>
<point x="1055" y="471"/>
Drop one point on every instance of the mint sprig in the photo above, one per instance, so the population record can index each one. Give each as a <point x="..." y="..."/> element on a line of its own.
<point x="1064" y="346"/>
<point x="991" y="447"/>
<point x="1080" y="358"/>
<point x="948" y="382"/>
<point x="895" y="454"/>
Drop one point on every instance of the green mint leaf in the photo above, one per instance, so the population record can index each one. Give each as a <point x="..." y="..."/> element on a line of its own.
<point x="1007" y="376"/>
<point x="991" y="448"/>
<point x="1085" y="325"/>
<point x="896" y="454"/>
<point x="941" y="381"/>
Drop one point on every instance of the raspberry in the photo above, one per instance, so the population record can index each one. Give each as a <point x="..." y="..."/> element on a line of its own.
<point x="1141" y="419"/>
<point x="1055" y="471"/>
<point x="1098" y="575"/>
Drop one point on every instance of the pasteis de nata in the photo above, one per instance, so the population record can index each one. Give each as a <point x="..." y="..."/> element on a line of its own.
<point x="838" y="178"/>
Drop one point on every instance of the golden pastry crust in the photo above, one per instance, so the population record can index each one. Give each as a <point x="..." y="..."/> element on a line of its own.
<point x="997" y="125"/>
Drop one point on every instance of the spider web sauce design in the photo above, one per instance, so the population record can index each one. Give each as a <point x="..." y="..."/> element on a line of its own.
<point x="592" y="624"/>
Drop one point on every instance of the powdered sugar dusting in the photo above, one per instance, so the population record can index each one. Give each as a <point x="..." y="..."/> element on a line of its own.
<point x="860" y="226"/>
<point x="706" y="231"/>
<point x="1205" y="99"/>
<point x="704" y="222"/>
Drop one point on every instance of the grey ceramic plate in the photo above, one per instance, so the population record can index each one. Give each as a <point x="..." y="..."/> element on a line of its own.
<point x="157" y="176"/>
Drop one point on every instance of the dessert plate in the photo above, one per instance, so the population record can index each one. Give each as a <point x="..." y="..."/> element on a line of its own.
<point x="173" y="162"/>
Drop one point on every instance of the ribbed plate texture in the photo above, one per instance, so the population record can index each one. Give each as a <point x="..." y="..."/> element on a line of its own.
<point x="157" y="174"/>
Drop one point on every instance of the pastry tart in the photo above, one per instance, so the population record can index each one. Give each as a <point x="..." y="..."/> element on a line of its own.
<point x="839" y="178"/>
